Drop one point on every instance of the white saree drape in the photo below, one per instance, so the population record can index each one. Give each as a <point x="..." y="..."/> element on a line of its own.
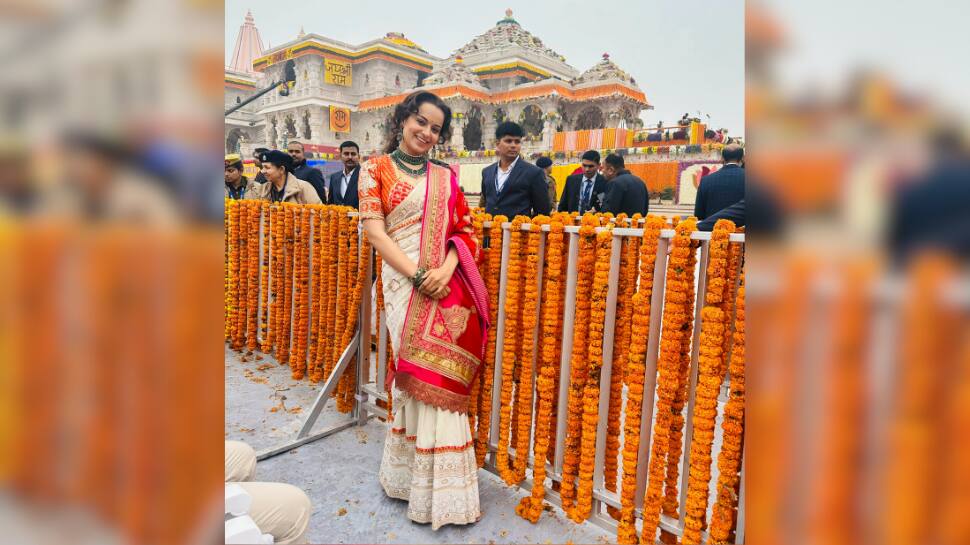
<point x="429" y="456"/>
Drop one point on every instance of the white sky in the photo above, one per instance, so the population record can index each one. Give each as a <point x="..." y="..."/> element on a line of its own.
<point x="922" y="46"/>
<point x="686" y="55"/>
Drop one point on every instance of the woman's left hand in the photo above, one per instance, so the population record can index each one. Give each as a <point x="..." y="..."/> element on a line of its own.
<point x="435" y="283"/>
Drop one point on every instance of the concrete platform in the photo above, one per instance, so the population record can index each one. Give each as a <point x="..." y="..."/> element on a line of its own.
<point x="339" y="472"/>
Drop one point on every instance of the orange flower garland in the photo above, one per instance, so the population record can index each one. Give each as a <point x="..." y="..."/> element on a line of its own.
<point x="635" y="373"/>
<point x="578" y="362"/>
<point x="510" y="350"/>
<point x="528" y="347"/>
<point x="328" y="247"/>
<point x="232" y="293"/>
<point x="302" y="299"/>
<point x="227" y="322"/>
<point x="723" y="515"/>
<point x="591" y="394"/>
<point x="331" y="333"/>
<point x="253" y="303"/>
<point x="621" y="343"/>
<point x="530" y="507"/>
<point x="356" y="278"/>
<point x="316" y="288"/>
<point x="343" y="286"/>
<point x="493" y="271"/>
<point x="287" y="307"/>
<point x="264" y="278"/>
<point x="675" y="319"/>
<point x="276" y="313"/>
<point x="676" y="441"/>
<point x="566" y="219"/>
<point x="242" y="295"/>
<point x="709" y="365"/>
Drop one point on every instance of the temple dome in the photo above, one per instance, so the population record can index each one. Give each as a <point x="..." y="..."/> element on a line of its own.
<point x="604" y="70"/>
<point x="508" y="31"/>
<point x="452" y="70"/>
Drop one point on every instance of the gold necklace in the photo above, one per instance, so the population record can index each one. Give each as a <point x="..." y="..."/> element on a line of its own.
<point x="415" y="165"/>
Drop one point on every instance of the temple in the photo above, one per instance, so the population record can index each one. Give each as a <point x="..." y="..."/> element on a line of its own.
<point x="345" y="91"/>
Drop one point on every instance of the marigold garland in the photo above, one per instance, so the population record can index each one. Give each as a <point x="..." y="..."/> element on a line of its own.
<point x="252" y="326"/>
<point x="709" y="366"/>
<point x="302" y="298"/>
<point x="635" y="374"/>
<point x="527" y="350"/>
<point x="330" y="334"/>
<point x="676" y="440"/>
<point x="675" y="320"/>
<point x="724" y="513"/>
<point x="493" y="272"/>
<point x="566" y="219"/>
<point x="264" y="277"/>
<point x="578" y="362"/>
<point x="276" y="313"/>
<point x="226" y="289"/>
<point x="356" y="277"/>
<point x="328" y="246"/>
<point x="315" y="287"/>
<point x="510" y="351"/>
<point x="242" y="304"/>
<point x="591" y="391"/>
<point x="474" y="400"/>
<point x="621" y="343"/>
<point x="289" y="243"/>
<point x="530" y="507"/>
<point x="232" y="294"/>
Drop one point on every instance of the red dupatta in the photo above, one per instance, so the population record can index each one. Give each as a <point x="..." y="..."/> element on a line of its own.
<point x="443" y="342"/>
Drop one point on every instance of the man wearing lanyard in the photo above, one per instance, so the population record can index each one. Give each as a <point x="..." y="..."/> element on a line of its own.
<point x="584" y="192"/>
<point x="237" y="185"/>
<point x="343" y="184"/>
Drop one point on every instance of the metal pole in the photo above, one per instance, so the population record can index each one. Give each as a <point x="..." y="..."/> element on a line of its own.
<point x="650" y="371"/>
<point x="569" y="315"/>
<point x="606" y="373"/>
<point x="363" y="347"/>
<point x="329" y="387"/>
<point x="692" y="389"/>
<point x="499" y="339"/>
<point x="252" y="98"/>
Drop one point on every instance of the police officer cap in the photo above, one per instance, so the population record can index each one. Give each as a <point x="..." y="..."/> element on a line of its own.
<point x="277" y="158"/>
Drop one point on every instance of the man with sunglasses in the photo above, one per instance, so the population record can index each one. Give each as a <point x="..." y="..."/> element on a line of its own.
<point x="584" y="192"/>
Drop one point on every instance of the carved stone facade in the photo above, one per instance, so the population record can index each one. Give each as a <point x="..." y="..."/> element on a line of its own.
<point x="505" y="73"/>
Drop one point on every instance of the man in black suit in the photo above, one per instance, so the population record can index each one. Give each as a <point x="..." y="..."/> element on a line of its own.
<point x="304" y="171"/>
<point x="513" y="186"/>
<point x="724" y="187"/>
<point x="584" y="192"/>
<point x="626" y="194"/>
<point x="343" y="184"/>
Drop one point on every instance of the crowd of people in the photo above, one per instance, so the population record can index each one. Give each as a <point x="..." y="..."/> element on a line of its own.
<point x="512" y="186"/>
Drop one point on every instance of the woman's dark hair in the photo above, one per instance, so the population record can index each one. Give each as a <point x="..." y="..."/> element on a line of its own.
<point x="410" y="107"/>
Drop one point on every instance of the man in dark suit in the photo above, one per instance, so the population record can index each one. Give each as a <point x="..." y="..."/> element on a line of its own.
<point x="584" y="192"/>
<point x="724" y="187"/>
<point x="304" y="171"/>
<point x="343" y="184"/>
<point x="513" y="186"/>
<point x="625" y="194"/>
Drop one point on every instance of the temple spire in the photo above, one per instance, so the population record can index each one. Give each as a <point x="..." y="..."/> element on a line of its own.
<point x="249" y="46"/>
